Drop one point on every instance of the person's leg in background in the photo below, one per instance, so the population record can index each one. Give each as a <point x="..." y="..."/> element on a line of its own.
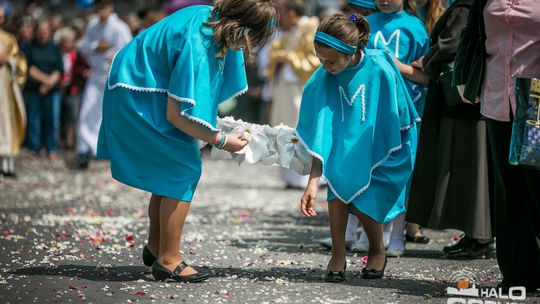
<point x="33" y="129"/>
<point x="51" y="122"/>
<point x="516" y="206"/>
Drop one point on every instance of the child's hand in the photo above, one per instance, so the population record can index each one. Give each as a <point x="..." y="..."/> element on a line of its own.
<point x="235" y="142"/>
<point x="308" y="201"/>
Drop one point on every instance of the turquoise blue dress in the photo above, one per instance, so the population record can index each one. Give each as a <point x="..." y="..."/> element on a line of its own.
<point x="403" y="36"/>
<point x="175" y="58"/>
<point x="359" y="124"/>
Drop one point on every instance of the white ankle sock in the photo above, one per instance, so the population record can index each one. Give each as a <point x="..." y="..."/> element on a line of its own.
<point x="352" y="226"/>
<point x="396" y="236"/>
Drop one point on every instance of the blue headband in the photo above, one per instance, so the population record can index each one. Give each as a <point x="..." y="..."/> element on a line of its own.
<point x="335" y="43"/>
<point x="363" y="3"/>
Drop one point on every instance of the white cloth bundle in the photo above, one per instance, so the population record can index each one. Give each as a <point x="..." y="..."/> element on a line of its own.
<point x="270" y="145"/>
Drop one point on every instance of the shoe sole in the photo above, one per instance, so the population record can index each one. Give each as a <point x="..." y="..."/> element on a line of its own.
<point x="484" y="256"/>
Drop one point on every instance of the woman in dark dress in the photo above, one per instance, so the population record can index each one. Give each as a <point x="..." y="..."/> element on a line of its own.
<point x="451" y="185"/>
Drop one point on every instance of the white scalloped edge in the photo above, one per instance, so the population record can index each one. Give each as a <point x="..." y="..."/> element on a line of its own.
<point x="365" y="187"/>
<point x="411" y="125"/>
<point x="175" y="97"/>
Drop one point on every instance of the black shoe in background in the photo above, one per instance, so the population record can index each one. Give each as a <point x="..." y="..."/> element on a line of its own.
<point x="475" y="251"/>
<point x="463" y="243"/>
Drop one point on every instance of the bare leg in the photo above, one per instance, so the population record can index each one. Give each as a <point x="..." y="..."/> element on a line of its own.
<point x="172" y="215"/>
<point x="374" y="233"/>
<point x="153" y="231"/>
<point x="338" y="213"/>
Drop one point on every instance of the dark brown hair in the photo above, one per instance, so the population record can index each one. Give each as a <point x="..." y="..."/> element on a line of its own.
<point x="410" y="7"/>
<point x="245" y="22"/>
<point x="342" y="28"/>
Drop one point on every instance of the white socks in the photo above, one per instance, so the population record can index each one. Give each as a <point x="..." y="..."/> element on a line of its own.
<point x="7" y="164"/>
<point x="352" y="226"/>
<point x="396" y="236"/>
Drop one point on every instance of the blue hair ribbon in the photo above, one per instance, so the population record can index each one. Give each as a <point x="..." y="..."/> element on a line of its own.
<point x="335" y="43"/>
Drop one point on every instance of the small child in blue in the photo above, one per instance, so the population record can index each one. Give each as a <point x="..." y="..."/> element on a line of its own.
<point x="162" y="94"/>
<point x="356" y="119"/>
<point x="396" y="30"/>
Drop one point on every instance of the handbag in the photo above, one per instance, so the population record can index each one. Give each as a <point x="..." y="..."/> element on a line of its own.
<point x="525" y="141"/>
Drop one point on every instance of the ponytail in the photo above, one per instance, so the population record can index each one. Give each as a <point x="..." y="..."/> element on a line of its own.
<point x="363" y="30"/>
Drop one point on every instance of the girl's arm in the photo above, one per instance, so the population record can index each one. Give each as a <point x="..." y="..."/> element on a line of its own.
<point x="234" y="142"/>
<point x="412" y="73"/>
<point x="309" y="199"/>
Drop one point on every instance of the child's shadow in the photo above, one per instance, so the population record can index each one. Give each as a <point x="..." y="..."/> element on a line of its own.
<point x="405" y="286"/>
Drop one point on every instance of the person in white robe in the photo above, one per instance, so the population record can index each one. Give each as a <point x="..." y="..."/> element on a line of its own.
<point x="292" y="61"/>
<point x="103" y="38"/>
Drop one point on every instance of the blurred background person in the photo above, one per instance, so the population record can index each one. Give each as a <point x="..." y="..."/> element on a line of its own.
<point x="42" y="91"/>
<point x="69" y="108"/>
<point x="150" y="16"/>
<point x="292" y="61"/>
<point x="103" y="38"/>
<point x="451" y="183"/>
<point x="12" y="110"/>
<point x="499" y="44"/>
<point x="25" y="31"/>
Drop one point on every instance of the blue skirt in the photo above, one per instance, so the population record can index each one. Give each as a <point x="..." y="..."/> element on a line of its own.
<point x="146" y="151"/>
<point x="387" y="182"/>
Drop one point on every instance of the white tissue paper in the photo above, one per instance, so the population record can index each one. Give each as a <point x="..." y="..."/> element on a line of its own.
<point x="270" y="145"/>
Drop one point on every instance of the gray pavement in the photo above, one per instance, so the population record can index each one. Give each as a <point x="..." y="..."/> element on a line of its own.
<point x="69" y="236"/>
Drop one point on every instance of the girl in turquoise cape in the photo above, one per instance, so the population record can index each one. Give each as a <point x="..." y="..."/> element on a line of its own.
<point x="162" y="95"/>
<point x="356" y="119"/>
<point x="396" y="30"/>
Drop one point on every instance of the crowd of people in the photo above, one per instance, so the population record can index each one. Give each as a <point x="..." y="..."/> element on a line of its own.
<point x="405" y="105"/>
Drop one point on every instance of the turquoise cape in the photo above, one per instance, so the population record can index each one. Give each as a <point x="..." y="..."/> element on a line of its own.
<point x="359" y="123"/>
<point x="403" y="36"/>
<point x="176" y="56"/>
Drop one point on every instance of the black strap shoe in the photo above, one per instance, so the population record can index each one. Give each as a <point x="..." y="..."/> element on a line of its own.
<point x="161" y="273"/>
<point x="147" y="256"/>
<point x="336" y="276"/>
<point x="370" y="274"/>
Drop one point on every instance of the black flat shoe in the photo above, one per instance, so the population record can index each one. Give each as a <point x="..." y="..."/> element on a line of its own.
<point x="370" y="274"/>
<point x="161" y="273"/>
<point x="147" y="256"/>
<point x="336" y="276"/>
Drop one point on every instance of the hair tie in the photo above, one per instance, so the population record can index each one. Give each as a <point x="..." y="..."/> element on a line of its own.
<point x="354" y="18"/>
<point x="272" y="23"/>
